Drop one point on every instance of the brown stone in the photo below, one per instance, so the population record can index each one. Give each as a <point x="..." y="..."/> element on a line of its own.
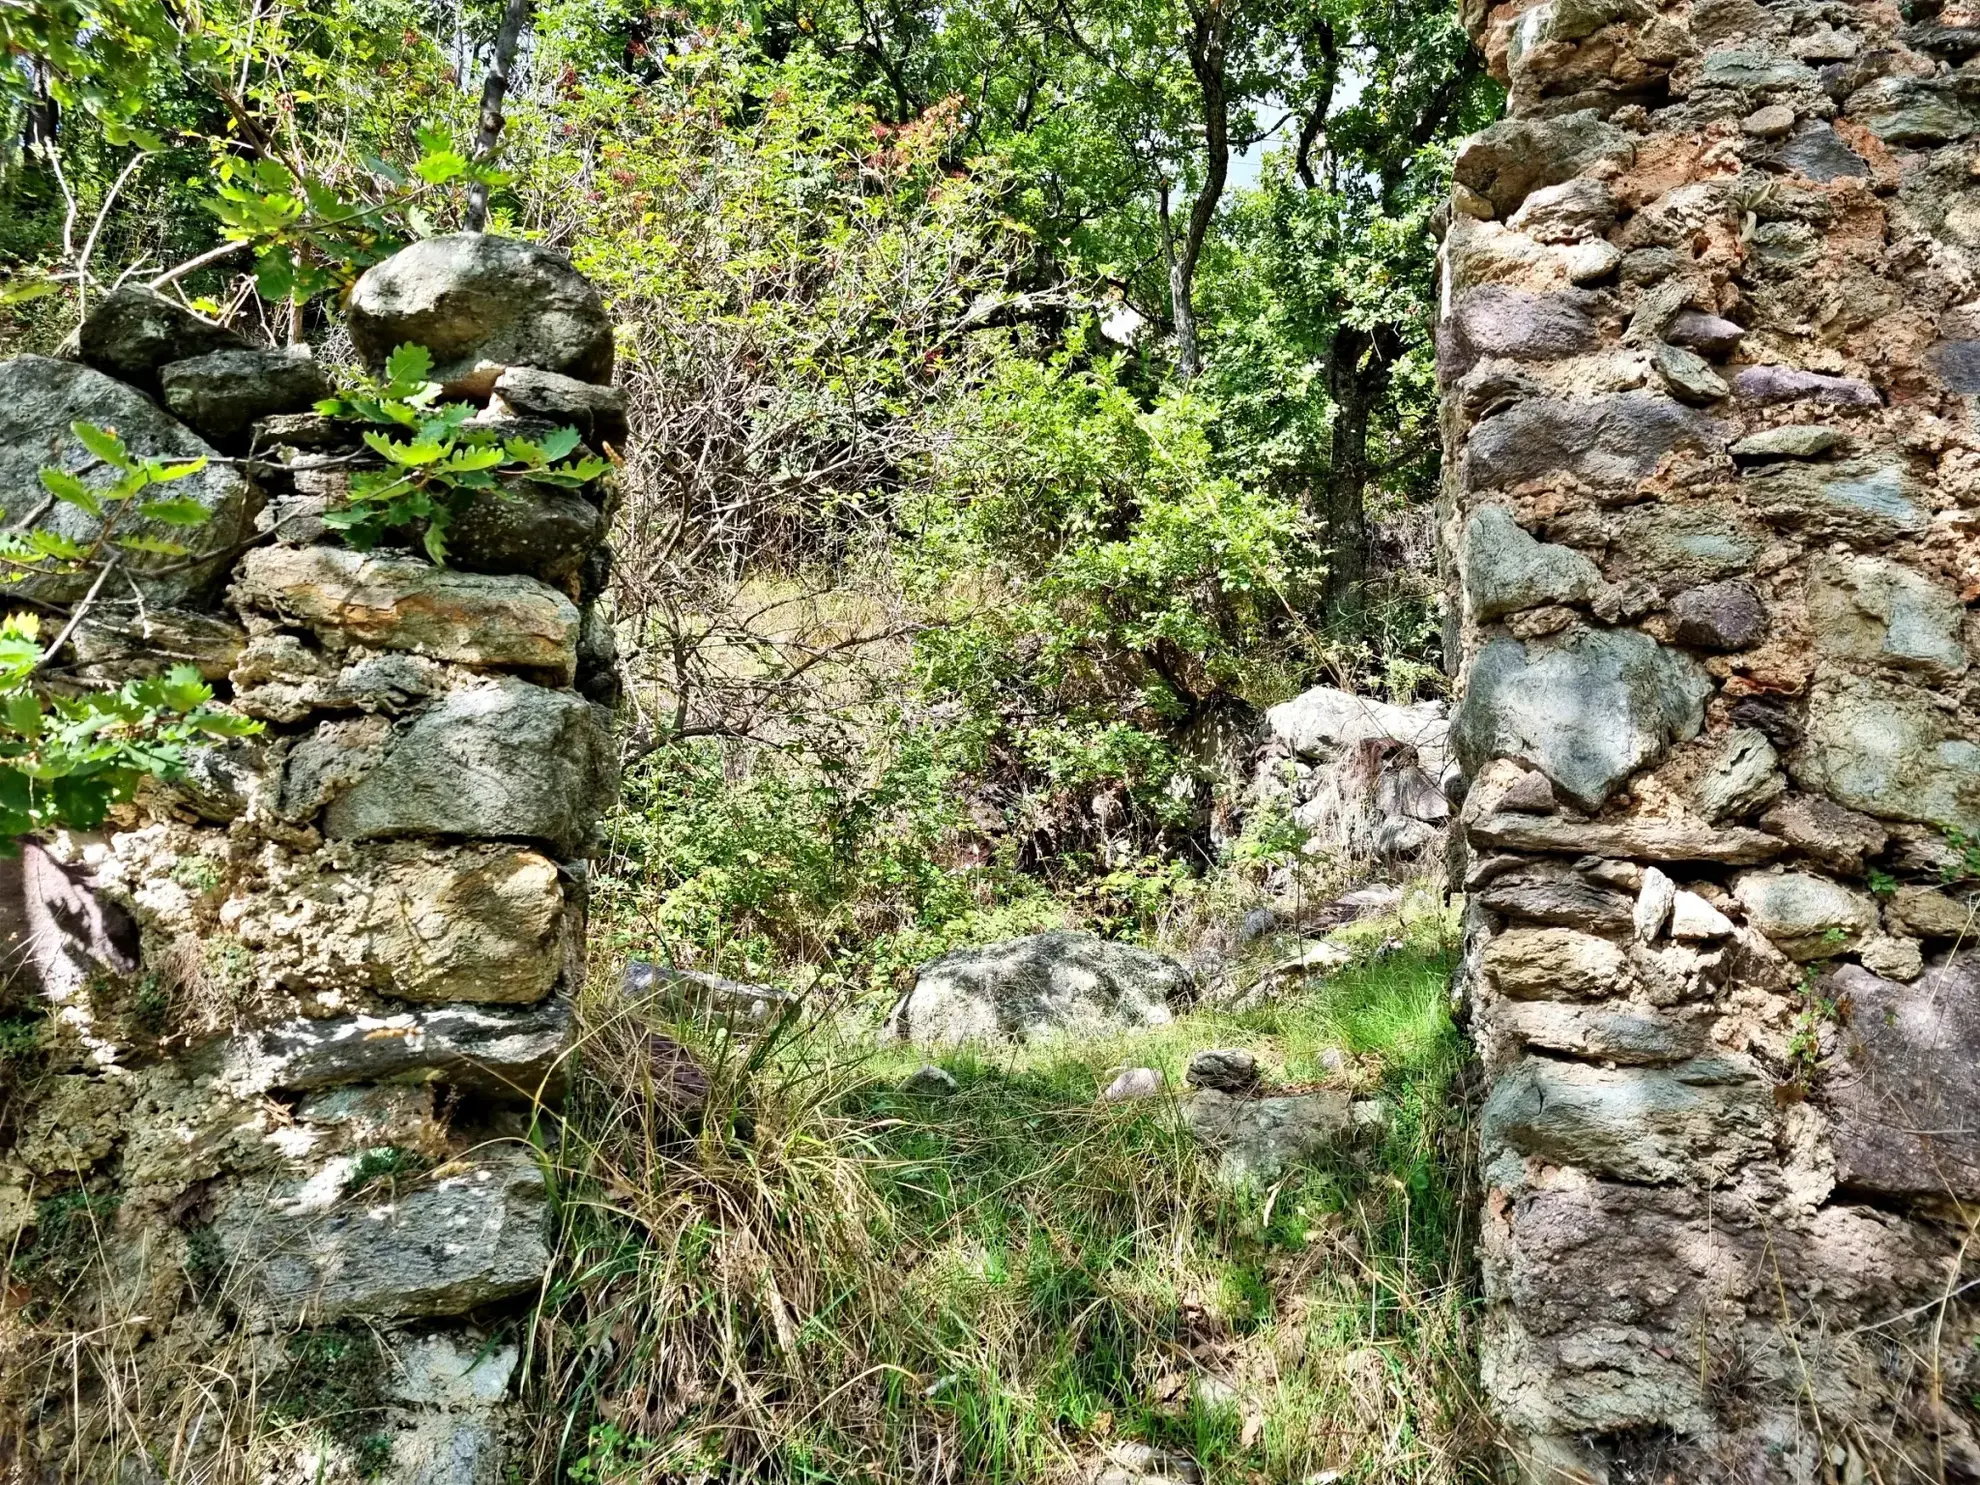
<point x="1839" y="839"/>
<point x="401" y="603"/>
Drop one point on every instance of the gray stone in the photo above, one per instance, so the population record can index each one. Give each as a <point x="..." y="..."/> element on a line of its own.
<point x="1857" y="501"/>
<point x="1876" y="611"/>
<point x="222" y="394"/>
<point x="1598" y="1033"/>
<point x="1744" y="777"/>
<point x="1515" y="157"/>
<point x="1649" y="265"/>
<point x="1941" y="39"/>
<point x="1609" y="441"/>
<point x="1688" y="376"/>
<point x="1496" y="321"/>
<point x="435" y="1371"/>
<point x="1816" y="152"/>
<point x="1892" y="957"/>
<point x="1957" y="364"/>
<point x="1587" y="262"/>
<point x="1805" y="917"/>
<point x="1572" y="211"/>
<point x="472" y="1234"/>
<point x="545" y="531"/>
<point x="401" y="603"/>
<point x="930" y="1081"/>
<point x="1554" y="963"/>
<point x="1827" y="833"/>
<point x="1754" y="69"/>
<point x="449" y="1448"/>
<point x="514" y="1054"/>
<point x="1256" y="1140"/>
<point x="1906" y="1101"/>
<point x="1322" y="722"/>
<point x="1550" y="896"/>
<point x="39" y="399"/>
<point x="1227" y="1069"/>
<point x="1045" y="985"/>
<point x="1635" y="838"/>
<point x="599" y="413"/>
<point x="473" y="299"/>
<point x="1772" y="122"/>
<point x="1587" y="709"/>
<point x="1505" y="570"/>
<point x="1710" y="335"/>
<point x="1771" y="385"/>
<point x="1695" y="919"/>
<point x="117" y="645"/>
<point x="1794" y="441"/>
<point x="1133" y="1083"/>
<point x="1909" y="111"/>
<point x="1680" y="546"/>
<point x="505" y="759"/>
<point x="1887" y="751"/>
<point x="1653" y="905"/>
<point x="133" y="332"/>
<point x="1719" y="617"/>
<point x="1699" y="1120"/>
<point x="696" y="992"/>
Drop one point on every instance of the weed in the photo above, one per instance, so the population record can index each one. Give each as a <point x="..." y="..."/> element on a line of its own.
<point x="334" y="1380"/>
<point x="382" y="1165"/>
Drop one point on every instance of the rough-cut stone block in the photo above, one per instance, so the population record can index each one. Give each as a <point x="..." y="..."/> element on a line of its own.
<point x="1554" y="963"/>
<point x="473" y="1233"/>
<point x="1887" y="751"/>
<point x="1505" y="570"/>
<point x="223" y="394"/>
<point x="509" y="1053"/>
<point x="1816" y="152"/>
<point x="1911" y="111"/>
<point x="1588" y="709"/>
<point x="1515" y="157"/>
<point x="542" y="530"/>
<point x="1679" y="546"/>
<point x="506" y="759"/>
<point x="1711" y="335"/>
<point x="1930" y="913"/>
<point x="1907" y="1097"/>
<point x="1699" y="1120"/>
<point x="471" y="299"/>
<point x="1598" y="1033"/>
<point x="599" y="413"/>
<point x="39" y="400"/>
<point x="1719" y="617"/>
<point x="1791" y="441"/>
<point x="1804" y="916"/>
<point x="1870" y="609"/>
<point x="1827" y="833"/>
<point x="1569" y="212"/>
<point x="1744" y="776"/>
<point x="401" y="603"/>
<point x="1610" y="441"/>
<point x="1560" y="898"/>
<point x="133" y="332"/>
<point x="1768" y="385"/>
<point x="1256" y="1140"/>
<point x="1862" y="503"/>
<point x="1043" y="985"/>
<point x="1494" y="320"/>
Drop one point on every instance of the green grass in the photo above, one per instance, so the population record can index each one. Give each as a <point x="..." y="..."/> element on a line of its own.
<point x="835" y="1281"/>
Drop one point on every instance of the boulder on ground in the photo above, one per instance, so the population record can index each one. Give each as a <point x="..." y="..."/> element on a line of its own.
<point x="1256" y="1140"/>
<point x="1360" y="776"/>
<point x="482" y="304"/>
<point x="40" y="399"/>
<point x="1047" y="984"/>
<point x="696" y="992"/>
<point x="1227" y="1069"/>
<point x="223" y="394"/>
<point x="134" y="332"/>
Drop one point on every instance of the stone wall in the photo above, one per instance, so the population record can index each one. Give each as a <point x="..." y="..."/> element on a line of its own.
<point x="293" y="1011"/>
<point x="1710" y="343"/>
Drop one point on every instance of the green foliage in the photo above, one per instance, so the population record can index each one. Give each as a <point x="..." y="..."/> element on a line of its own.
<point x="382" y="1165"/>
<point x="432" y="476"/>
<point x="335" y="1380"/>
<point x="111" y="504"/>
<point x="68" y="1237"/>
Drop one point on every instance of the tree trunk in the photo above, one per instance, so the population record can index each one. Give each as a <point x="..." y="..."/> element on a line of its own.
<point x="1358" y="372"/>
<point x="43" y="115"/>
<point x="494" y="91"/>
<point x="1206" y="61"/>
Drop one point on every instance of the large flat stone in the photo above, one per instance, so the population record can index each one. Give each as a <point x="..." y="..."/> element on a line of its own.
<point x="1554" y="964"/>
<point x="1857" y="501"/>
<point x="1674" y="547"/>
<point x="1319" y="723"/>
<point x="1699" y="1120"/>
<point x="223" y="394"/>
<point x="1256" y="1140"/>
<point x="474" y="1233"/>
<point x="1906" y="1099"/>
<point x="1494" y="320"/>
<point x="1587" y="709"/>
<point x="39" y="399"/>
<point x="1886" y="750"/>
<point x="401" y="603"/>
<point x="1803" y="915"/>
<point x="514" y="1054"/>
<point x="508" y="760"/>
<point x="1599" y="1033"/>
<point x="1612" y="441"/>
<point x="1515" y="157"/>
<point x="1641" y="839"/>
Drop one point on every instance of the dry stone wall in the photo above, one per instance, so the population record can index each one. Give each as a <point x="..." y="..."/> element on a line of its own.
<point x="297" y="1006"/>
<point x="1710" y="348"/>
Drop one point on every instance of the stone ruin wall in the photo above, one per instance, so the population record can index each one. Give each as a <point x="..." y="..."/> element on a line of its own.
<point x="357" y="932"/>
<point x="1710" y="348"/>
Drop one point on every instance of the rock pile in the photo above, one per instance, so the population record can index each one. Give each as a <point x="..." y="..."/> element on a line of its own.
<point x="1362" y="778"/>
<point x="1709" y="353"/>
<point x="353" y="937"/>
